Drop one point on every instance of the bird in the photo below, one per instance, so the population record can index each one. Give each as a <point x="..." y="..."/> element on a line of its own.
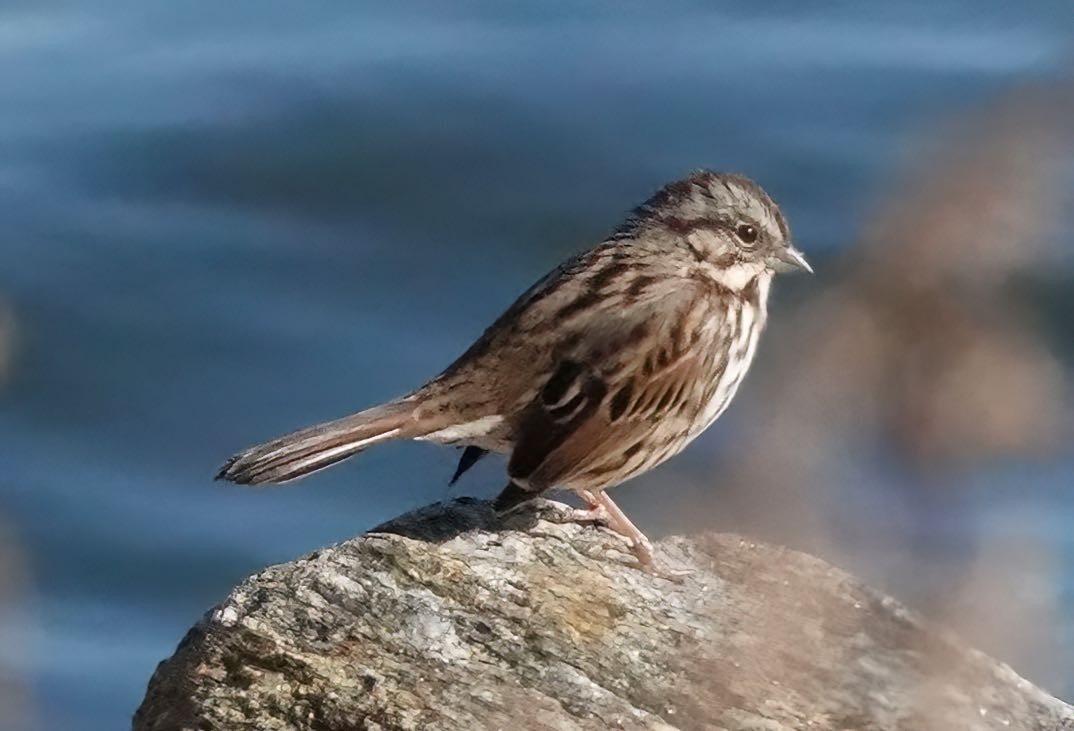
<point x="606" y="367"/>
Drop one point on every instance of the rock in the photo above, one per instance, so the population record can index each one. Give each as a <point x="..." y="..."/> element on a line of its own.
<point x="449" y="618"/>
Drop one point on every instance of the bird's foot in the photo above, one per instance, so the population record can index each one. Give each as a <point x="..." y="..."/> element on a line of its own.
<point x="601" y="511"/>
<point x="596" y="515"/>
<point x="557" y="512"/>
<point x="642" y="548"/>
<point x="639" y="543"/>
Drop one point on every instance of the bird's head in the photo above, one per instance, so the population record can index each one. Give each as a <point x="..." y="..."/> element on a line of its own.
<point x="727" y="222"/>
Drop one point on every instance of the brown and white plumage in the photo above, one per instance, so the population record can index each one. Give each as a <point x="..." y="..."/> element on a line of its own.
<point x="606" y="367"/>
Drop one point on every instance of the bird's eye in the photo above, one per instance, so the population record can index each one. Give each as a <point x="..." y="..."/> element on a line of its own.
<point x="747" y="233"/>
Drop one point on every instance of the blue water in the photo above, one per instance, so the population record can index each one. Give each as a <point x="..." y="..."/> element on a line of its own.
<point x="224" y="220"/>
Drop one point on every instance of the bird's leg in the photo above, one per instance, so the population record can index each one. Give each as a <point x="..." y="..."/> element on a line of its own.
<point x="639" y="543"/>
<point x="595" y="513"/>
<point x="622" y="525"/>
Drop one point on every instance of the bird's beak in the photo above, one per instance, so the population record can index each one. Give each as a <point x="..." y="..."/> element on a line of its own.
<point x="789" y="259"/>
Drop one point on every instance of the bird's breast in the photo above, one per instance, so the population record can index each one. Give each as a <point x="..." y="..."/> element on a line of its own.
<point x="733" y="351"/>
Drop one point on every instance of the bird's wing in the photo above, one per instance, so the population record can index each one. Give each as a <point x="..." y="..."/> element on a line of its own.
<point x="596" y="415"/>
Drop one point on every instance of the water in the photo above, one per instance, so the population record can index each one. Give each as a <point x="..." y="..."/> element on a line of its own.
<point x="223" y="221"/>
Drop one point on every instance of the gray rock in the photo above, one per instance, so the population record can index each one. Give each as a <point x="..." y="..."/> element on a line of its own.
<point x="448" y="618"/>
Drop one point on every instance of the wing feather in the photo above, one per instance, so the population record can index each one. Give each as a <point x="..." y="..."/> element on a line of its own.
<point x="601" y="408"/>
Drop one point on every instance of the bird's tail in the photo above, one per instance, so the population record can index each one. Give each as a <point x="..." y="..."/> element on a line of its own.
<point x="308" y="450"/>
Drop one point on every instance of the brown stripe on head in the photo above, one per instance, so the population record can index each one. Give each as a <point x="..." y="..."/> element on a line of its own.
<point x="707" y="199"/>
<point x="781" y="221"/>
<point x="679" y="195"/>
<point x="742" y="183"/>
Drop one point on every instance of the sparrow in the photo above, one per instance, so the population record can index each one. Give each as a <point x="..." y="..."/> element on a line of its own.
<point x="606" y="367"/>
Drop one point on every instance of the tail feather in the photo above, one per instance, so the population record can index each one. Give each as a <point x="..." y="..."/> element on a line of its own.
<point x="308" y="450"/>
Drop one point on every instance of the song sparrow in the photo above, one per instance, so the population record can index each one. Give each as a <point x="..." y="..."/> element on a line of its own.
<point x="603" y="369"/>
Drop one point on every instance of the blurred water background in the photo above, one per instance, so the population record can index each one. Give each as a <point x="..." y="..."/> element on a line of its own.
<point x="221" y="221"/>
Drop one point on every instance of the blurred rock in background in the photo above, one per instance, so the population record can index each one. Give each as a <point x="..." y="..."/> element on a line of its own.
<point x="14" y="701"/>
<point x="965" y="374"/>
<point x="917" y="359"/>
<point x="917" y="336"/>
